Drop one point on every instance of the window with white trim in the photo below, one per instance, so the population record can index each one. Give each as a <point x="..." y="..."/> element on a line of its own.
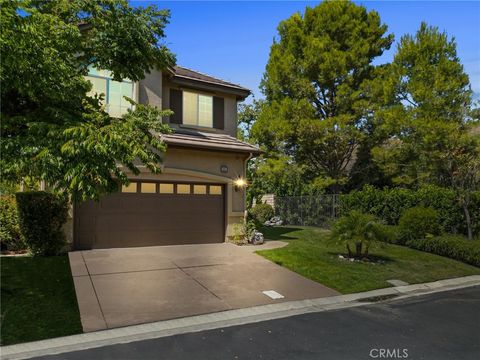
<point x="113" y="91"/>
<point x="197" y="109"/>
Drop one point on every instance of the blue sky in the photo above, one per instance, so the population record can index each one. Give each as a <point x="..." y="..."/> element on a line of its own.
<point x="231" y="39"/>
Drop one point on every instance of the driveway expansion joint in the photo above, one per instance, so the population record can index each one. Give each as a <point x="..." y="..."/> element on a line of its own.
<point x="95" y="292"/>
<point x="198" y="282"/>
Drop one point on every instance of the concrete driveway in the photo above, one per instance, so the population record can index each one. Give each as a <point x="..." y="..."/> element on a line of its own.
<point x="127" y="286"/>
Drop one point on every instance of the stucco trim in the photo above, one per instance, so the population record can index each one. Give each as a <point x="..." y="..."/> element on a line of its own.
<point x="208" y="176"/>
<point x="196" y="173"/>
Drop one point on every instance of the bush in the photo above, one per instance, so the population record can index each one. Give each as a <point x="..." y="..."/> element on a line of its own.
<point x="452" y="246"/>
<point x="261" y="213"/>
<point x="238" y="235"/>
<point x="390" y="204"/>
<point x="417" y="223"/>
<point x="42" y="216"/>
<point x="10" y="235"/>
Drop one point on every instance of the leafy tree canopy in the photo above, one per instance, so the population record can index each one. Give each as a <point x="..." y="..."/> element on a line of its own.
<point x="51" y="129"/>
<point x="313" y="82"/>
<point x="428" y="112"/>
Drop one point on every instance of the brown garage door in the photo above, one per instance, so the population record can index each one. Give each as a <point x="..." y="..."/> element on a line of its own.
<point x="148" y="213"/>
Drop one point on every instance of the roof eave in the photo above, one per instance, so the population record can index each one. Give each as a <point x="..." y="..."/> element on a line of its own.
<point x="253" y="152"/>
<point x="240" y="93"/>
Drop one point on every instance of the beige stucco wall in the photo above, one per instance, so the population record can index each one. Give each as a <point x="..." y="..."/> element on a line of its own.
<point x="150" y="89"/>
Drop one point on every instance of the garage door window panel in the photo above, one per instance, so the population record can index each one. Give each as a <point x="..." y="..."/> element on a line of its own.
<point x="215" y="190"/>
<point x="183" y="189"/>
<point x="166" y="188"/>
<point x="130" y="188"/>
<point x="148" y="188"/>
<point x="200" y="189"/>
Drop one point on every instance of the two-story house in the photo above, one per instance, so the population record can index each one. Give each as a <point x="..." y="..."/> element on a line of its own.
<point x="200" y="194"/>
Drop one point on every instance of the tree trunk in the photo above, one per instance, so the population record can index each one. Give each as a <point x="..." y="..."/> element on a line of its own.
<point x="358" y="248"/>
<point x="468" y="219"/>
<point x="349" y="251"/>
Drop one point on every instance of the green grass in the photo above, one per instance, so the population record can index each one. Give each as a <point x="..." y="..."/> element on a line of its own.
<point x="311" y="253"/>
<point x="38" y="299"/>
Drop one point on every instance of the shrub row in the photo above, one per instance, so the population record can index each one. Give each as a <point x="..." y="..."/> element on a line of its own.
<point x="390" y="204"/>
<point x="454" y="247"/>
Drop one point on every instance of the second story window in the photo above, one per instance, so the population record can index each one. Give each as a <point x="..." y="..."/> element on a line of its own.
<point x="197" y="109"/>
<point x="114" y="91"/>
<point x="194" y="109"/>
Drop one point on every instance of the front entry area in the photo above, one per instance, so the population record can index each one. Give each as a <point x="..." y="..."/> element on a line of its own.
<point x="152" y="213"/>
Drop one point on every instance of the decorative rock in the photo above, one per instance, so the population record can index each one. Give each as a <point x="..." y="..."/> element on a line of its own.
<point x="257" y="238"/>
<point x="274" y="221"/>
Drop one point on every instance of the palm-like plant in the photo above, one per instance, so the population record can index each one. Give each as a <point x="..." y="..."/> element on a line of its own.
<point x="357" y="231"/>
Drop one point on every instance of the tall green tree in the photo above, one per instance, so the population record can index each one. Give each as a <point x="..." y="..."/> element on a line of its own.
<point x="51" y="129"/>
<point x="247" y="116"/>
<point x="429" y="105"/>
<point x="313" y="83"/>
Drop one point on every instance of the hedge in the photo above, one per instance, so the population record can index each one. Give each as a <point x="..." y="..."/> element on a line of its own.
<point x="10" y="234"/>
<point x="452" y="246"/>
<point x="390" y="204"/>
<point x="42" y="216"/>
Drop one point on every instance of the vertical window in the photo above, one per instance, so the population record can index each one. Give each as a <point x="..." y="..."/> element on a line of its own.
<point x="113" y="91"/>
<point x="205" y="111"/>
<point x="99" y="86"/>
<point x="197" y="109"/>
<point x="190" y="108"/>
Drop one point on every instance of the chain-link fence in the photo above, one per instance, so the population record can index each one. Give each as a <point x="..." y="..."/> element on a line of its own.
<point x="318" y="210"/>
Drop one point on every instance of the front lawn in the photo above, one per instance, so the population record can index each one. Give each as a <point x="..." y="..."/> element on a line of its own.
<point x="312" y="254"/>
<point x="38" y="299"/>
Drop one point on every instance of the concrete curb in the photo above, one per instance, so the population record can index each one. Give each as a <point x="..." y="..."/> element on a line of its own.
<point x="224" y="319"/>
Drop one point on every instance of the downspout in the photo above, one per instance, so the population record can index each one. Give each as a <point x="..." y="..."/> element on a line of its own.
<point x="250" y="155"/>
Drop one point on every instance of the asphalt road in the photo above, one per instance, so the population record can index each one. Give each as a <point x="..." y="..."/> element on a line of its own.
<point x="439" y="326"/>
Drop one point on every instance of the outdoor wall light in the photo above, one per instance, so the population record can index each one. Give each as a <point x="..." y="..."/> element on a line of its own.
<point x="240" y="184"/>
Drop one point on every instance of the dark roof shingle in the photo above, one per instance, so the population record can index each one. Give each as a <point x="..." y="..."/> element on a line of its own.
<point x="212" y="141"/>
<point x="195" y="75"/>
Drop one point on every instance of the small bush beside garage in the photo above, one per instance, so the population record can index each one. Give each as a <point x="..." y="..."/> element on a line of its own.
<point x="11" y="238"/>
<point x="41" y="217"/>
